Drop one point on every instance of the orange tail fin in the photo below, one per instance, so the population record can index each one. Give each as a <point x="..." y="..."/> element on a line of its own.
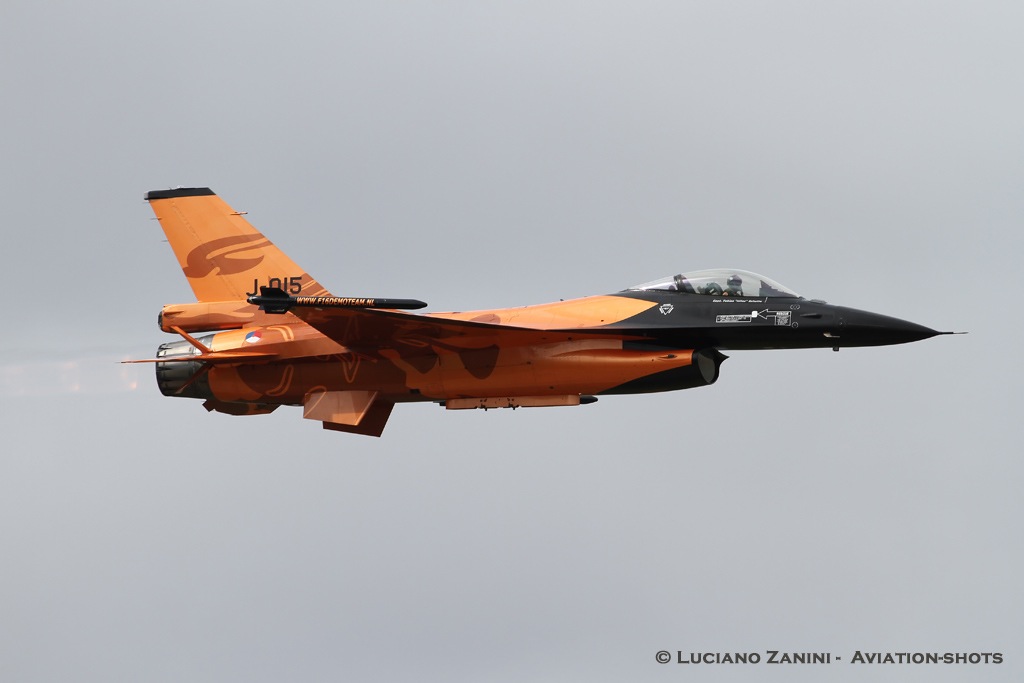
<point x="221" y="254"/>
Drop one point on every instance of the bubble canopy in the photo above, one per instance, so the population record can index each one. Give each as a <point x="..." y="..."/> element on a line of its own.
<point x="719" y="282"/>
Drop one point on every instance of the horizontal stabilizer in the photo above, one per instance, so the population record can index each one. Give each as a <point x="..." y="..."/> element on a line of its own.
<point x="214" y="357"/>
<point x="201" y="352"/>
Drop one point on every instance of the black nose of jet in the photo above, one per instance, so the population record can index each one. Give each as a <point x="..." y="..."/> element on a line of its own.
<point x="863" y="328"/>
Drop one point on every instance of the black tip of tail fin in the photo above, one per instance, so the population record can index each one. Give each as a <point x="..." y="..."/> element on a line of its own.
<point x="179" y="192"/>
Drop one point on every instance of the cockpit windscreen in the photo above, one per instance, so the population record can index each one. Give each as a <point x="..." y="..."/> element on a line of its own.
<point x="719" y="282"/>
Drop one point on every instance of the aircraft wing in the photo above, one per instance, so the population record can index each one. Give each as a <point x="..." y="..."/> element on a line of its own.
<point x="366" y="330"/>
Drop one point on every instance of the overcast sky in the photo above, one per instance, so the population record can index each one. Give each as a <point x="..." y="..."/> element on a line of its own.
<point x="477" y="155"/>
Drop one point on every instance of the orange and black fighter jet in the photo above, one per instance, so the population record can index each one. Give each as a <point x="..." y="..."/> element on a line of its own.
<point x="264" y="333"/>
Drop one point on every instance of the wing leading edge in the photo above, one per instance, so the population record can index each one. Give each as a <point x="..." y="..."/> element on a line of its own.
<point x="367" y="329"/>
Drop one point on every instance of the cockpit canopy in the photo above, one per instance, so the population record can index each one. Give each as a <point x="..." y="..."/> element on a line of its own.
<point x="719" y="282"/>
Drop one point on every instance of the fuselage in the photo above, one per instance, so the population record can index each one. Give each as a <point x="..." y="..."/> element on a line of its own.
<point x="263" y="332"/>
<point x="627" y="342"/>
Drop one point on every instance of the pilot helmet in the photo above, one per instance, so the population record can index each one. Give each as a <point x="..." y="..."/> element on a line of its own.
<point x="735" y="281"/>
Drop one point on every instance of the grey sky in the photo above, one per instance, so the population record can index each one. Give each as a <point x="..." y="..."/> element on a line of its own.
<point x="476" y="155"/>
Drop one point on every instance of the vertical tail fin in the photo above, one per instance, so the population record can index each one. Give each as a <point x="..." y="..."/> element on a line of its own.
<point x="221" y="254"/>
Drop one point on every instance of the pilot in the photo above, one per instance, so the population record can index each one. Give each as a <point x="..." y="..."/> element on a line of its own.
<point x="734" y="286"/>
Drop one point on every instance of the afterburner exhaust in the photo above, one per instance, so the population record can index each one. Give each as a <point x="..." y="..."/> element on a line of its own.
<point x="182" y="377"/>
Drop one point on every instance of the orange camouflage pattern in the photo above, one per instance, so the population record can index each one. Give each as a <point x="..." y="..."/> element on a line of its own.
<point x="348" y="367"/>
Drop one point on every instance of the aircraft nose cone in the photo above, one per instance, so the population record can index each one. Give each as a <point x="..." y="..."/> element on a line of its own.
<point x="863" y="328"/>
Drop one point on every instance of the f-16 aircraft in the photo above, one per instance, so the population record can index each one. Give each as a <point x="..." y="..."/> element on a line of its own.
<point x="264" y="333"/>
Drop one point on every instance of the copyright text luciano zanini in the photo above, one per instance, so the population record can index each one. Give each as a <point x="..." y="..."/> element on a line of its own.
<point x="858" y="657"/>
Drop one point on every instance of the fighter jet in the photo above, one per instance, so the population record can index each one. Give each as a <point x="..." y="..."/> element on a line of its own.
<point x="264" y="333"/>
